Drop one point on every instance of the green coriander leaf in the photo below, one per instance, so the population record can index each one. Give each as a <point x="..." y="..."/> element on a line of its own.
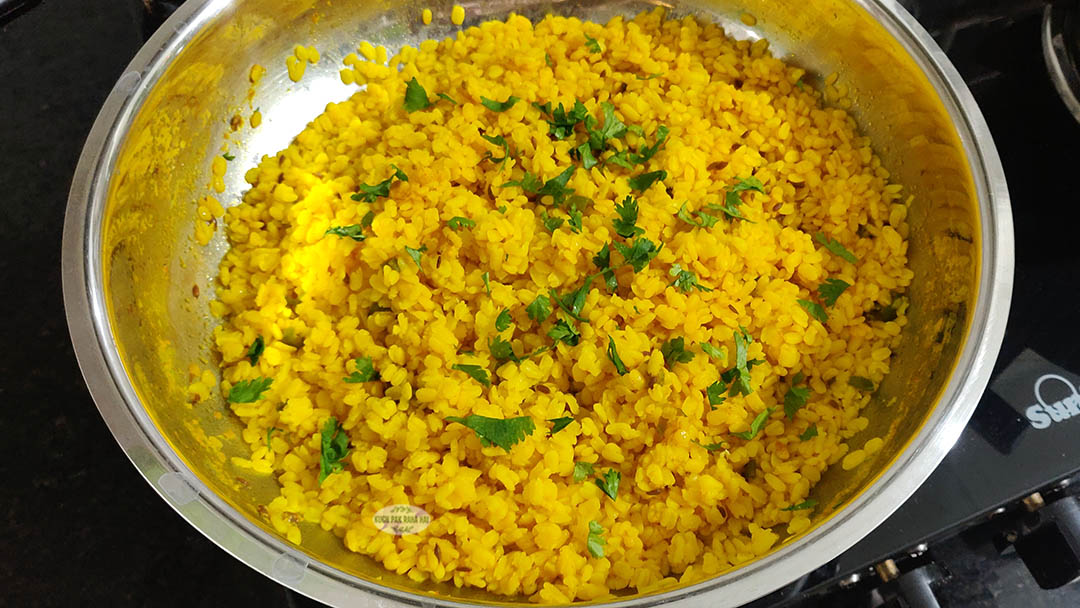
<point x="649" y="77"/>
<point x="809" y="503"/>
<point x="636" y="130"/>
<point x="562" y="331"/>
<point x="249" y="391"/>
<point x="835" y="247"/>
<point x="743" y="184"/>
<point x="548" y="61"/>
<point x="715" y="392"/>
<point x="575" y="221"/>
<point x="447" y="98"/>
<point x="626" y="223"/>
<point x="595" y="542"/>
<point x="799" y="83"/>
<point x="712" y="351"/>
<point x="609" y="483"/>
<point x="398" y="173"/>
<point x="712" y="447"/>
<point x="497" y="140"/>
<point x="501" y="350"/>
<point x="487" y="282"/>
<point x="475" y="371"/>
<point x="863" y="384"/>
<point x="228" y="156"/>
<point x="642" y="182"/>
<point x="556" y="187"/>
<point x="365" y="371"/>
<point x="831" y="289"/>
<point x="561" y="123"/>
<point x="497" y="431"/>
<point x="621" y="159"/>
<point x="415" y="97"/>
<point x="503" y="321"/>
<point x="602" y="260"/>
<point x="354" y="232"/>
<point x="499" y="106"/>
<point x="540" y="309"/>
<point x="368" y="194"/>
<point x="415" y="254"/>
<point x="270" y="431"/>
<point x="809" y="433"/>
<point x="646" y="153"/>
<point x="582" y="471"/>
<point x="815" y="310"/>
<point x="594" y="47"/>
<point x="613" y="354"/>
<point x="256" y="350"/>
<point x="558" y="424"/>
<point x="366" y="221"/>
<point x="674" y="352"/>
<point x="756" y="425"/>
<point x="707" y="221"/>
<point x="551" y="224"/>
<point x="585" y="153"/>
<point x="795" y="398"/>
<point x="573" y="302"/>
<point x="639" y="254"/>
<point x="685" y="281"/>
<point x="335" y="447"/>
<point x="529" y="183"/>
<point x="458" y="223"/>
<point x="613" y="127"/>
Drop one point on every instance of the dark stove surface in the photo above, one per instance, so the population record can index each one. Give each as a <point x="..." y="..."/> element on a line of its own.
<point x="81" y="528"/>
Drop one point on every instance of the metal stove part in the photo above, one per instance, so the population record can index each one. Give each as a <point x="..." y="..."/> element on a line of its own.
<point x="917" y="586"/>
<point x="1061" y="49"/>
<point x="1048" y="540"/>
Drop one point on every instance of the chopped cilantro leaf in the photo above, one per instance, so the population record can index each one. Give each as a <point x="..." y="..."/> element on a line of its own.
<point x="354" y="232"/>
<point x="815" y="310"/>
<point x="743" y="184"/>
<point x="739" y="376"/>
<point x="732" y="200"/>
<point x="835" y="247"/>
<point x="228" y="156"/>
<point x="497" y="431"/>
<point x="595" y="542"/>
<point x="249" y="391"/>
<point x="558" y="424"/>
<point x="540" y="309"/>
<point x="594" y="47"/>
<point x="475" y="371"/>
<point x="756" y="425"/>
<point x="582" y="471"/>
<point x="501" y="350"/>
<point x="499" y="106"/>
<point x="649" y="77"/>
<point x="487" y="282"/>
<point x="269" y="432"/>
<point x="642" y="182"/>
<point x="715" y="392"/>
<point x="562" y="331"/>
<point x="704" y="220"/>
<point x="556" y="187"/>
<point x="584" y="151"/>
<point x="561" y="123"/>
<point x="626" y="223"/>
<point x="573" y="302"/>
<point x="497" y="140"/>
<point x="674" y="352"/>
<point x="334" y="448"/>
<point x="621" y="159"/>
<point x="365" y="371"/>
<point x="368" y="194"/>
<point x="613" y="354"/>
<point x="685" y="280"/>
<point x="863" y="384"/>
<point x="503" y="321"/>
<point x="639" y="254"/>
<point x="809" y="503"/>
<point x="447" y="98"/>
<point x="548" y="61"/>
<point x="530" y="183"/>
<point x="415" y="254"/>
<point x="646" y="153"/>
<point x="415" y="97"/>
<point x="609" y="483"/>
<point x="550" y="223"/>
<point x="367" y="220"/>
<point x="458" y="223"/>
<point x="831" y="289"/>
<point x="602" y="260"/>
<point x="712" y="447"/>
<point x="712" y="351"/>
<point x="575" y="220"/>
<point x="256" y="350"/>
<point x="809" y="433"/>
<point x="613" y="127"/>
<point x="795" y="398"/>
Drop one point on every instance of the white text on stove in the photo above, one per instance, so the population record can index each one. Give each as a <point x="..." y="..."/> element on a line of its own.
<point x="1044" y="414"/>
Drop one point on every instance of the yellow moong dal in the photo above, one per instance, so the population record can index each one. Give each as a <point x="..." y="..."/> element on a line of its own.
<point x="702" y="487"/>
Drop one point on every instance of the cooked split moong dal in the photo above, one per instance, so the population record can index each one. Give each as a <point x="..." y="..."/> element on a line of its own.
<point x="604" y="300"/>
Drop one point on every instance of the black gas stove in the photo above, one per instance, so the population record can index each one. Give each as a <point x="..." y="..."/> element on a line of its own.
<point x="997" y="524"/>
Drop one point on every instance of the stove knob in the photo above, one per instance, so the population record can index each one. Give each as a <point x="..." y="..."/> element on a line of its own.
<point x="1049" y="541"/>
